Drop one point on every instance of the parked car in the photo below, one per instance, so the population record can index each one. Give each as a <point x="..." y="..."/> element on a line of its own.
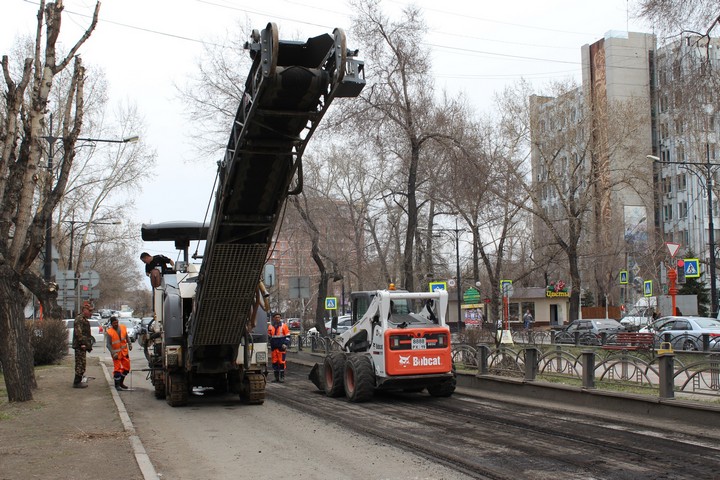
<point x="131" y="324"/>
<point x="132" y="327"/>
<point x="686" y="332"/>
<point x="589" y="330"/>
<point x="95" y="328"/>
<point x="344" y="323"/>
<point x="294" y="324"/>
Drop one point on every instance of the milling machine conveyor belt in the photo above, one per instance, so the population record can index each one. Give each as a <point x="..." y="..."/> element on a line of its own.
<point x="288" y="90"/>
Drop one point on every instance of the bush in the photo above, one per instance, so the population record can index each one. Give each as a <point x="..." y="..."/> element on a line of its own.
<point x="49" y="340"/>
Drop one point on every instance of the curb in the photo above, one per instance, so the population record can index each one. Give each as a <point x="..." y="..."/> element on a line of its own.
<point x="141" y="457"/>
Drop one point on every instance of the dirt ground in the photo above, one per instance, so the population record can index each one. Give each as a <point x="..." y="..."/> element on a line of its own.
<point x="65" y="432"/>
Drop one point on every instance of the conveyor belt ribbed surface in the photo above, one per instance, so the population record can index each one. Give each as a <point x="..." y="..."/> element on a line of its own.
<point x="229" y="290"/>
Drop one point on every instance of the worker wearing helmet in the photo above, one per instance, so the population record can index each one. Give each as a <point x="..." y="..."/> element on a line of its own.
<point x="279" y="334"/>
<point x="119" y="347"/>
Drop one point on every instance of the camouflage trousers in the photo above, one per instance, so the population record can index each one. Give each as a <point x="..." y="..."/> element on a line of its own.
<point x="80" y="362"/>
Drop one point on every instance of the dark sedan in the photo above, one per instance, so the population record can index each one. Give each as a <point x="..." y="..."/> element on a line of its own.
<point x="589" y="331"/>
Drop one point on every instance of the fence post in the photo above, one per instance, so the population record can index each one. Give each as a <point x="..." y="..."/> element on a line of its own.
<point x="666" y="363"/>
<point x="588" y="364"/>
<point x="483" y="352"/>
<point x="531" y="359"/>
<point x="705" y="342"/>
<point x="576" y="334"/>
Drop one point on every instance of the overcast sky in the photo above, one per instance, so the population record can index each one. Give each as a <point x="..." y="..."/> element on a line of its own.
<point x="147" y="46"/>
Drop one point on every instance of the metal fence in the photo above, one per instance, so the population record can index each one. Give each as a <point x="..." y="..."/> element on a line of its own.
<point x="582" y="361"/>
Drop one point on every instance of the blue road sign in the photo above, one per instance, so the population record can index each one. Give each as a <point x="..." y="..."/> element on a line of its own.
<point x="330" y="303"/>
<point x="435" y="286"/>
<point x="692" y="268"/>
<point x="648" y="288"/>
<point x="623" y="277"/>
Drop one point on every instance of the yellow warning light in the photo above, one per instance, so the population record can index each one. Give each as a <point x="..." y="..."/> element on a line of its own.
<point x="391" y="287"/>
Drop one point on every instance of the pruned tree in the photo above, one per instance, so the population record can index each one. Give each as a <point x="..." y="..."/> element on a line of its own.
<point x="28" y="192"/>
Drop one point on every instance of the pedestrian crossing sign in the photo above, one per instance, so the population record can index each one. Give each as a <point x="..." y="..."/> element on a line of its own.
<point x="331" y="303"/>
<point x="692" y="268"/>
<point x="623" y="277"/>
<point x="648" y="288"/>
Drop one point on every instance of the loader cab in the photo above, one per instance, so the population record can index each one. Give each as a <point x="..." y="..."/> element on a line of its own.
<point x="361" y="302"/>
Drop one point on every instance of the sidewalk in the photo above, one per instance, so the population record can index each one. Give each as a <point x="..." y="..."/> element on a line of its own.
<point x="68" y="433"/>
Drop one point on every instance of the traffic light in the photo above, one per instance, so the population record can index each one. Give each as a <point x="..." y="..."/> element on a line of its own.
<point x="680" y="271"/>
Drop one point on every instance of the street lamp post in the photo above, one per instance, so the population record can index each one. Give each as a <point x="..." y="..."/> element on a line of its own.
<point x="76" y="278"/>
<point x="711" y="224"/>
<point x="456" y="231"/>
<point x="51" y="139"/>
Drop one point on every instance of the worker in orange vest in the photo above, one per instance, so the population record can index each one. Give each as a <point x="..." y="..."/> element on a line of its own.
<point x="119" y="347"/>
<point x="279" y="334"/>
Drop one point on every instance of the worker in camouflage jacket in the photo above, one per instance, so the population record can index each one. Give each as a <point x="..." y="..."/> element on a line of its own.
<point x="82" y="343"/>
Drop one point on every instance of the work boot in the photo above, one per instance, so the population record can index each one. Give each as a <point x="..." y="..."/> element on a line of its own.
<point x="277" y="376"/>
<point x="282" y="376"/>
<point x="122" y="384"/>
<point x="78" y="383"/>
<point x="117" y="384"/>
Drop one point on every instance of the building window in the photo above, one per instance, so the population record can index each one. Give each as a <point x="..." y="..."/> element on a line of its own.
<point x="681" y="182"/>
<point x="663" y="131"/>
<point x="680" y="153"/>
<point x="667" y="185"/>
<point x="682" y="209"/>
<point x="679" y="127"/>
<point x="668" y="213"/>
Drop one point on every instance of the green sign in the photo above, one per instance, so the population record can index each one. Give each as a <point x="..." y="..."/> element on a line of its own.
<point x="471" y="295"/>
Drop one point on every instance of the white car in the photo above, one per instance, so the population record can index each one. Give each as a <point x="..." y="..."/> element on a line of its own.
<point x="344" y="323"/>
<point x="95" y="329"/>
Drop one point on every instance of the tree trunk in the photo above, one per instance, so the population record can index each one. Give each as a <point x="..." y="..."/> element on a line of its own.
<point x="16" y="353"/>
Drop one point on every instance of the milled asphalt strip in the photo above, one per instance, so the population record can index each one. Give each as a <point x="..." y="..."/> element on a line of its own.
<point x="142" y="458"/>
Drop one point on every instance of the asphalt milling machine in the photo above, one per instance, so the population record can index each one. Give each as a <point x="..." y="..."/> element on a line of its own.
<point x="399" y="340"/>
<point x="210" y="326"/>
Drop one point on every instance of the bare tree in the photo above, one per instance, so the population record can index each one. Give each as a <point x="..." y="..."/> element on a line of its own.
<point x="681" y="16"/>
<point x="399" y="109"/>
<point x="28" y="195"/>
<point x="579" y="160"/>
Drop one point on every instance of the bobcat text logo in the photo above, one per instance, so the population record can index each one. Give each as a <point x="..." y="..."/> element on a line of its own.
<point x="419" y="362"/>
<point x="426" y="361"/>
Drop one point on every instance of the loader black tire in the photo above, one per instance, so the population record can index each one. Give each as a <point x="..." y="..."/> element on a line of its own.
<point x="446" y="388"/>
<point x="359" y="378"/>
<point x="334" y="368"/>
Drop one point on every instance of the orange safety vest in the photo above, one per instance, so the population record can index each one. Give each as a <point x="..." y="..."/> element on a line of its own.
<point x="119" y="342"/>
<point x="278" y="335"/>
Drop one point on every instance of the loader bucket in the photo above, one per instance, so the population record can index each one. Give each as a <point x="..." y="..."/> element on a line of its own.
<point x="317" y="376"/>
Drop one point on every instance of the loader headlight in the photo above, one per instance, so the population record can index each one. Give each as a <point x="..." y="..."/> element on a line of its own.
<point x="261" y="357"/>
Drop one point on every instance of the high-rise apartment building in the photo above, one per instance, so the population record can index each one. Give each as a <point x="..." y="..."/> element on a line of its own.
<point x="590" y="158"/>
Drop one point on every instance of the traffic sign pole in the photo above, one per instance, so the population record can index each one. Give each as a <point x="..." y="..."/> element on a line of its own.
<point x="672" y="291"/>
